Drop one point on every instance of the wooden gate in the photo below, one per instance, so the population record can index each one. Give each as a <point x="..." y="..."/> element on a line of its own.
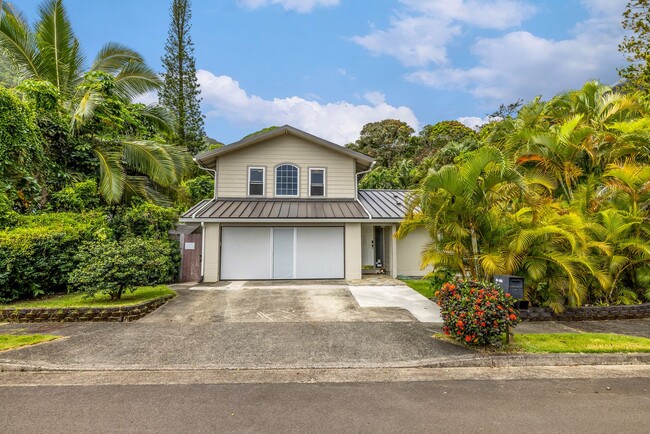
<point x="191" y="249"/>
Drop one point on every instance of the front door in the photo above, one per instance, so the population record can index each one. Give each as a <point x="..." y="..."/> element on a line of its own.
<point x="379" y="247"/>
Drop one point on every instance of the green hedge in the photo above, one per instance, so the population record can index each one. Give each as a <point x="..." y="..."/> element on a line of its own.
<point x="37" y="255"/>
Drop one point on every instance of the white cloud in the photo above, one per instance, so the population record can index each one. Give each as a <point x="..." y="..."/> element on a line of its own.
<point x="419" y="35"/>
<point x="301" y="6"/>
<point x="522" y="65"/>
<point x="488" y="14"/>
<point x="339" y="122"/>
<point x="475" y="122"/>
<point x="150" y="97"/>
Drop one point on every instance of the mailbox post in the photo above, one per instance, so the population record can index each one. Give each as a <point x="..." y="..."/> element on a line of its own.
<point x="513" y="285"/>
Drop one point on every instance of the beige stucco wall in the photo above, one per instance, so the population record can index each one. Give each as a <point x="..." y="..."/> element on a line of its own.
<point x="232" y="175"/>
<point x="211" y="240"/>
<point x="408" y="253"/>
<point x="353" y="251"/>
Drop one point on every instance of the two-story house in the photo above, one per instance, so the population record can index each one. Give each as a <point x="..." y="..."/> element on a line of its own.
<point x="287" y="206"/>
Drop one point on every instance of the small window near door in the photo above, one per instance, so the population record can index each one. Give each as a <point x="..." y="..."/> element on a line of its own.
<point x="256" y="181"/>
<point x="317" y="182"/>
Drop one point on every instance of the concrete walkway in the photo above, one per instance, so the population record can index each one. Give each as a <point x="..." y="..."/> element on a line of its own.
<point x="397" y="296"/>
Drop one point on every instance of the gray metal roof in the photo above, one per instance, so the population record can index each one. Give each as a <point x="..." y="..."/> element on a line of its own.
<point x="276" y="209"/>
<point x="385" y="204"/>
<point x="208" y="158"/>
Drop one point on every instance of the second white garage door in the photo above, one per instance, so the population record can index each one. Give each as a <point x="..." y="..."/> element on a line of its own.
<point x="249" y="253"/>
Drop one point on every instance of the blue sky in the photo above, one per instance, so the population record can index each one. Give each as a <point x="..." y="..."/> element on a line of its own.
<point x="331" y="66"/>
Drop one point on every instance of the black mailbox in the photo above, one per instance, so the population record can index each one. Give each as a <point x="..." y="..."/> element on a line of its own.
<point x="513" y="285"/>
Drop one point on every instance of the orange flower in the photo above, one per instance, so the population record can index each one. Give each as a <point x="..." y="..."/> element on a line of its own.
<point x="513" y="317"/>
<point x="468" y="338"/>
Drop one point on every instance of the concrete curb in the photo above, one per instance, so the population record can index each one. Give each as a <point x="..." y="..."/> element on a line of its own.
<point x="482" y="361"/>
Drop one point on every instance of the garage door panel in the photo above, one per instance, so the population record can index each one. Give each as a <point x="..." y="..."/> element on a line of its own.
<point x="320" y="253"/>
<point x="245" y="253"/>
<point x="283" y="245"/>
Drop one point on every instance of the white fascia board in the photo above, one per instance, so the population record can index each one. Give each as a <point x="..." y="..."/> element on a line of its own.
<point x="274" y="221"/>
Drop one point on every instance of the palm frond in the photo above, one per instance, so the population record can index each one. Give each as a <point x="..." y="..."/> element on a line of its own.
<point x="113" y="57"/>
<point x="111" y="175"/>
<point x="85" y="109"/>
<point x="58" y="48"/>
<point x="151" y="159"/>
<point x="19" y="42"/>
<point x="136" y="79"/>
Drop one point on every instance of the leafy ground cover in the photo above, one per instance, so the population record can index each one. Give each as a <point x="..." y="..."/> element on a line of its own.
<point x="422" y="286"/>
<point x="581" y="343"/>
<point x="8" y="342"/>
<point x="80" y="299"/>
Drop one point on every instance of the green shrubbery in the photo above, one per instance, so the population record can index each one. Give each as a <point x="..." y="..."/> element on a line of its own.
<point x="474" y="313"/>
<point x="37" y="255"/>
<point x="199" y="188"/>
<point x="39" y="252"/>
<point x="79" y="197"/>
<point x="115" y="267"/>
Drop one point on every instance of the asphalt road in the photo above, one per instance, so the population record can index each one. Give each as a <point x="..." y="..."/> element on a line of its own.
<point x="602" y="405"/>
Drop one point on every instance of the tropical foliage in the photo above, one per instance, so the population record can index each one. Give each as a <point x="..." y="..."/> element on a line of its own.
<point x="85" y="110"/>
<point x="559" y="194"/>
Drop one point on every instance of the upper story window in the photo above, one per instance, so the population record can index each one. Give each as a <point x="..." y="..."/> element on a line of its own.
<point x="286" y="180"/>
<point x="317" y="182"/>
<point x="256" y="181"/>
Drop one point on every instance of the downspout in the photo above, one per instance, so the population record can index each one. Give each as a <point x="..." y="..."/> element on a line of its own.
<point x="214" y="174"/>
<point x="356" y="183"/>
<point x="214" y="197"/>
<point x="202" y="252"/>
<point x="356" y="188"/>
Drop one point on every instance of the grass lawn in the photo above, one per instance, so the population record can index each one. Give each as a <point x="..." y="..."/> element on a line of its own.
<point x="421" y="286"/>
<point x="8" y="342"/>
<point x="581" y="343"/>
<point x="78" y="299"/>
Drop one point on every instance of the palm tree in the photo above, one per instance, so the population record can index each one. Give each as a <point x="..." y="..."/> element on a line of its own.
<point x="51" y="52"/>
<point x="458" y="204"/>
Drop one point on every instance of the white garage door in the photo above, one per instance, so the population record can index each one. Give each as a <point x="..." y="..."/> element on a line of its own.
<point x="249" y="253"/>
<point x="245" y="253"/>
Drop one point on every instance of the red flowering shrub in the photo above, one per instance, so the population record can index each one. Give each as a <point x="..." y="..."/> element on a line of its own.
<point x="476" y="313"/>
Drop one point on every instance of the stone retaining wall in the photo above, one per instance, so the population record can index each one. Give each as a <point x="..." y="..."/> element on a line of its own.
<point x="74" y="314"/>
<point x="589" y="313"/>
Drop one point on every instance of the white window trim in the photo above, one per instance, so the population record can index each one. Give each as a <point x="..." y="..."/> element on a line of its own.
<point x="324" y="181"/>
<point x="248" y="185"/>
<point x="275" y="180"/>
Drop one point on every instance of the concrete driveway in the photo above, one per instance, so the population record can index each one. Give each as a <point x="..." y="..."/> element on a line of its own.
<point x="250" y="325"/>
<point x="290" y="301"/>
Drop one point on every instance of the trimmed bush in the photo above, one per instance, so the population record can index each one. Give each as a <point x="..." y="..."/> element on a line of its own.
<point x="114" y="267"/>
<point x="476" y="313"/>
<point x="37" y="255"/>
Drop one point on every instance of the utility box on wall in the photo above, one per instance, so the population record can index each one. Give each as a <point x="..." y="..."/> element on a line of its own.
<point x="513" y="285"/>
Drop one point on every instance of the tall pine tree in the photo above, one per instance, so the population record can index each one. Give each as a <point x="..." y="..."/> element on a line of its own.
<point x="636" y="46"/>
<point x="180" y="92"/>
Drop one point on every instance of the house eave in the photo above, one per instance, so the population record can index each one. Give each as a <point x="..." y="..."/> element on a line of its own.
<point x="269" y="221"/>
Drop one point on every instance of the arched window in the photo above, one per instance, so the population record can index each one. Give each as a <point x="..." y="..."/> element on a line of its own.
<point x="286" y="180"/>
